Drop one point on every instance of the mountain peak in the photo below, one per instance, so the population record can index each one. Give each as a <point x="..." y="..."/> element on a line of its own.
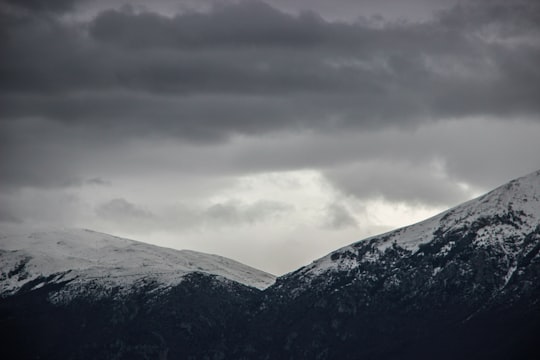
<point x="463" y="284"/>
<point x="80" y="254"/>
<point x="497" y="218"/>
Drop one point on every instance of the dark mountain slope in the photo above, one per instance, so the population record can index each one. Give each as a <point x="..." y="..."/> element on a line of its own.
<point x="190" y="320"/>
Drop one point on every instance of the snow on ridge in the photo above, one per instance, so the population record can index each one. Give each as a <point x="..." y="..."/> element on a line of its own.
<point x="90" y="255"/>
<point x="521" y="195"/>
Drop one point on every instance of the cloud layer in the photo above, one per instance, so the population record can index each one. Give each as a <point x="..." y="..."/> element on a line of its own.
<point x="290" y="70"/>
<point x="249" y="68"/>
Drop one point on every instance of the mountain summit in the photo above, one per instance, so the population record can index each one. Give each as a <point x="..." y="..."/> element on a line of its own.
<point x="464" y="284"/>
<point x="81" y="294"/>
<point x="502" y="222"/>
<point x="78" y="256"/>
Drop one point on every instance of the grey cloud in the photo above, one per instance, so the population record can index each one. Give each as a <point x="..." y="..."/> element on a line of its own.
<point x="65" y="94"/>
<point x="249" y="23"/>
<point x="481" y="153"/>
<point x="39" y="153"/>
<point x="123" y="214"/>
<point x="188" y="216"/>
<point x="43" y="54"/>
<point x="350" y="68"/>
<point x="42" y="5"/>
<point x="122" y="210"/>
<point x="237" y="213"/>
<point x="339" y="217"/>
<point x="398" y="182"/>
<point x="7" y="217"/>
<point x="98" y="181"/>
<point x="31" y="206"/>
<point x="505" y="19"/>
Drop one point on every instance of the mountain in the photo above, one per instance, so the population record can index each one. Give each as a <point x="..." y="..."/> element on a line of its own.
<point x="80" y="294"/>
<point x="464" y="284"/>
<point x="78" y="256"/>
<point x="502" y="222"/>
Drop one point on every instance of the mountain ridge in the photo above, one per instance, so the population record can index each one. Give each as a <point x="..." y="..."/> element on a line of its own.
<point x="80" y="255"/>
<point x="465" y="281"/>
<point x="464" y="284"/>
<point x="506" y="200"/>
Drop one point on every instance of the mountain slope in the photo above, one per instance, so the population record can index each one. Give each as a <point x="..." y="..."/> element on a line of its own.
<point x="79" y="294"/>
<point x="78" y="256"/>
<point x="463" y="284"/>
<point x="499" y="220"/>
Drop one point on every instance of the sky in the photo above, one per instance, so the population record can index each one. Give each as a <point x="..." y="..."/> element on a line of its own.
<point x="269" y="132"/>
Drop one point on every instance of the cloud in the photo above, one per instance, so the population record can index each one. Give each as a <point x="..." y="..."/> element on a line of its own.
<point x="122" y="210"/>
<point x="42" y="5"/>
<point x="339" y="217"/>
<point x="506" y="20"/>
<point x="39" y="206"/>
<point x="230" y="94"/>
<point x="248" y="68"/>
<point x="181" y="217"/>
<point x="236" y="213"/>
<point x="40" y="153"/>
<point x="98" y="181"/>
<point x="420" y="184"/>
<point x="248" y="23"/>
<point x="6" y="216"/>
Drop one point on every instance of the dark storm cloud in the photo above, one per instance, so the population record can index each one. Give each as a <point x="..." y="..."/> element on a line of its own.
<point x="252" y="48"/>
<point x="35" y="152"/>
<point x="250" y="23"/>
<point x="248" y="69"/>
<point x="42" y="5"/>
<point x="506" y="19"/>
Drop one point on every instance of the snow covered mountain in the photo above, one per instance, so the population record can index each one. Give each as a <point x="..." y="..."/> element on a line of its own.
<point x="504" y="221"/>
<point x="80" y="294"/>
<point x="33" y="258"/>
<point x="464" y="284"/>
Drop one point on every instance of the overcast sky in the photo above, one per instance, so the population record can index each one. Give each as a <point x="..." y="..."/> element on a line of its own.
<point x="269" y="132"/>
